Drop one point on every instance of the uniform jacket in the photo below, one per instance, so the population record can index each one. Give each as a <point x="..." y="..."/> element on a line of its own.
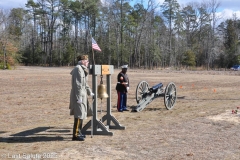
<point x="80" y="89"/>
<point x="122" y="84"/>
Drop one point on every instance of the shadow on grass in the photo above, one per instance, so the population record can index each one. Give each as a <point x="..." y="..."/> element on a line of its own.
<point x="39" y="134"/>
<point x="2" y="132"/>
<point x="154" y="109"/>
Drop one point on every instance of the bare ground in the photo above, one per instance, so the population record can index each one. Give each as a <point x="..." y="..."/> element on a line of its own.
<point x="35" y="121"/>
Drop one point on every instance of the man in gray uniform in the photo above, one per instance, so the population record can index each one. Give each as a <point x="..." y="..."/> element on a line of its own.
<point x="78" y="97"/>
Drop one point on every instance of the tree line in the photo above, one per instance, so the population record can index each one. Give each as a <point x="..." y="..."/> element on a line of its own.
<point x="146" y="34"/>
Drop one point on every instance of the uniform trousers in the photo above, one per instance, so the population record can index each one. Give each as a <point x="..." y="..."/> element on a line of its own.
<point x="122" y="101"/>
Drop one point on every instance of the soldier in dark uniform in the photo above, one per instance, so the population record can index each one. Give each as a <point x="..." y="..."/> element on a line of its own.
<point x="122" y="88"/>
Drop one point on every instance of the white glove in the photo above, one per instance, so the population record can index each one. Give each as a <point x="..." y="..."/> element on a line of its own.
<point x="127" y="88"/>
<point x="92" y="94"/>
<point x="79" y="101"/>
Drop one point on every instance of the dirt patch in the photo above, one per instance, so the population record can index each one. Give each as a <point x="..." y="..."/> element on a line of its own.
<point x="227" y="116"/>
<point x="35" y="121"/>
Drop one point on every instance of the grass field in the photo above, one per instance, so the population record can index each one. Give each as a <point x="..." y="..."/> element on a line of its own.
<point x="35" y="121"/>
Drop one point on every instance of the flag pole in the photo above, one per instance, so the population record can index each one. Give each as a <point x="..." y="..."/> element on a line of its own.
<point x="93" y="59"/>
<point x="93" y="85"/>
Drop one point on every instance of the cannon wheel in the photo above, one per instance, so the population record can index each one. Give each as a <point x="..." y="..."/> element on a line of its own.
<point x="170" y="96"/>
<point x="141" y="90"/>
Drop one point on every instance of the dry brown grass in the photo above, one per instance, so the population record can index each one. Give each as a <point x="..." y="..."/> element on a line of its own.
<point x="35" y="117"/>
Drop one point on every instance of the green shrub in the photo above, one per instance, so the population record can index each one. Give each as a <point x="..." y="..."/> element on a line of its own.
<point x="189" y="58"/>
<point x="1" y="65"/>
<point x="9" y="66"/>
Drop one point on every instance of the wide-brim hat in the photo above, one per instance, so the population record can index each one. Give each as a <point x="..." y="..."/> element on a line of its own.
<point x="82" y="57"/>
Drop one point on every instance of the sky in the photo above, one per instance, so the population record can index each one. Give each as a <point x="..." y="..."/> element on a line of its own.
<point x="226" y="8"/>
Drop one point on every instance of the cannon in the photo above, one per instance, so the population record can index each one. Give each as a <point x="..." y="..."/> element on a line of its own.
<point x="145" y="95"/>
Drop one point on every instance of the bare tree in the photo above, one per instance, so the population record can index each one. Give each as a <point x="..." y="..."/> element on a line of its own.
<point x="170" y="9"/>
<point x="213" y="5"/>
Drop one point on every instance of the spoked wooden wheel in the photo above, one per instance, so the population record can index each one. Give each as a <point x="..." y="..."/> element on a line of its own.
<point x="141" y="91"/>
<point x="170" y="96"/>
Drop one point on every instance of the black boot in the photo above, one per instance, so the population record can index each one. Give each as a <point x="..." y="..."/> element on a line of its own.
<point x="77" y="136"/>
<point x="80" y="129"/>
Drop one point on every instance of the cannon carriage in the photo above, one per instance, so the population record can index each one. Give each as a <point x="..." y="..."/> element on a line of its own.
<point x="146" y="94"/>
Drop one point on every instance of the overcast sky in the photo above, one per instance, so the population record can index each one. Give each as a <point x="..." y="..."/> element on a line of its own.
<point x="227" y="7"/>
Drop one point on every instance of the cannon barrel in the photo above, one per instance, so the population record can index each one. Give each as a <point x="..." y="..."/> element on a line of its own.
<point x="154" y="88"/>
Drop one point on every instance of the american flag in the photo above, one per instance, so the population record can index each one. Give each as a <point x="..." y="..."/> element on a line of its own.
<point x="95" y="45"/>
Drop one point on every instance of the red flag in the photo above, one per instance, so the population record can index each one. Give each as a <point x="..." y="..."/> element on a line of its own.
<point x="95" y="45"/>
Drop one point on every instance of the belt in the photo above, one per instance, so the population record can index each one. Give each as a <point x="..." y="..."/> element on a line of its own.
<point x="122" y="83"/>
